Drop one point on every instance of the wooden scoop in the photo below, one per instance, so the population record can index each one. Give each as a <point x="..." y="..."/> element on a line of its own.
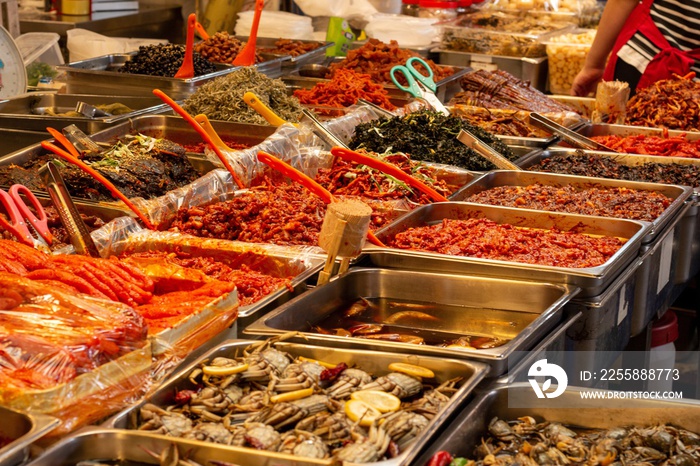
<point x="246" y="57"/>
<point x="306" y="181"/>
<point x="187" y="68"/>
<point x="197" y="127"/>
<point x="389" y="169"/>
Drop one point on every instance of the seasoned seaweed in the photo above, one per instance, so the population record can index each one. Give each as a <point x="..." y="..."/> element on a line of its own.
<point x="428" y="136"/>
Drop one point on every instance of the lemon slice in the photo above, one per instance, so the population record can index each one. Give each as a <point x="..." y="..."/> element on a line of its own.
<point x="291" y="396"/>
<point x="358" y="409"/>
<point x="224" y="370"/>
<point x="411" y="369"/>
<point x="327" y="365"/>
<point x="383" y="401"/>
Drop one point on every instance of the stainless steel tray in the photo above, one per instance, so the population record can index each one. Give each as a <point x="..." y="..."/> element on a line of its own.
<point x="100" y="76"/>
<point x="15" y="139"/>
<point x="532" y="321"/>
<point x="317" y="55"/>
<point x="591" y="130"/>
<point x="374" y="362"/>
<point x="93" y="443"/>
<point x="679" y="194"/>
<point x="277" y="261"/>
<point x="29" y="111"/>
<point x="21" y="430"/>
<point x="533" y="70"/>
<point x="446" y="88"/>
<point x="591" y="280"/>
<point x="465" y="432"/>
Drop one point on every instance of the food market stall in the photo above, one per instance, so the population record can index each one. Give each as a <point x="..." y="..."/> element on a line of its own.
<point x="202" y="328"/>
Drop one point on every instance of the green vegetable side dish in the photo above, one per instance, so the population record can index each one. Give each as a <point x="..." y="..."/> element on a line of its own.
<point x="428" y="136"/>
<point x="37" y="70"/>
<point x="459" y="462"/>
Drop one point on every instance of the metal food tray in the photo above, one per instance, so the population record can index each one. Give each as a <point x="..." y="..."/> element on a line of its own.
<point x="91" y="396"/>
<point x="317" y="55"/>
<point x="21" y="430"/>
<point x="498" y="178"/>
<point x="539" y="314"/>
<point x="424" y="50"/>
<point x="100" y="76"/>
<point x="583" y="105"/>
<point x="278" y="261"/>
<point x="446" y="88"/>
<point x="28" y="111"/>
<point x="591" y="280"/>
<point x="374" y="362"/>
<point x="533" y="70"/>
<point x="102" y="444"/>
<point x="465" y="432"/>
<point x="591" y="130"/>
<point x="15" y="139"/>
<point x="689" y="248"/>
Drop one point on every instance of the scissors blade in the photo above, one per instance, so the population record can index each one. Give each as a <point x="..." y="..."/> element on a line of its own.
<point x="435" y="102"/>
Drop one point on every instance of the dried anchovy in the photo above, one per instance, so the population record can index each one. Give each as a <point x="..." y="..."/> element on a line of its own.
<point x="500" y="89"/>
<point x="164" y="60"/>
<point x="584" y="164"/>
<point x="428" y="136"/>
<point x="222" y="98"/>
<point x="669" y="103"/>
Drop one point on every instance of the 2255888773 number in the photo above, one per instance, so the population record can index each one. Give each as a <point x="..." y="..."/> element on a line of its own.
<point x="639" y="374"/>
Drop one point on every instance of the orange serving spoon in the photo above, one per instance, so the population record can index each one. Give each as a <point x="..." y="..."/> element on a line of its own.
<point x="246" y="57"/>
<point x="69" y="157"/>
<point x="187" y="68"/>
<point x="201" y="31"/>
<point x="389" y="169"/>
<point x="197" y="127"/>
<point x="306" y="181"/>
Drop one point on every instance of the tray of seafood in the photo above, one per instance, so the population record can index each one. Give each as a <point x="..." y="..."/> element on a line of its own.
<point x="115" y="447"/>
<point x="36" y="111"/>
<point x="101" y="75"/>
<point x="440" y="315"/>
<point x="18" y="431"/>
<point x="493" y="430"/>
<point x="655" y="169"/>
<point x="331" y="404"/>
<point x="654" y="203"/>
<point x="460" y="237"/>
<point x="264" y="277"/>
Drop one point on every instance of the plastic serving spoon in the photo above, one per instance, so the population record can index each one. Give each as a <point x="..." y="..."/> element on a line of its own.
<point x="206" y="125"/>
<point x="389" y="169"/>
<point x="246" y="57"/>
<point x="197" y="127"/>
<point x="201" y="31"/>
<point x="254" y="102"/>
<point x="187" y="68"/>
<point x="308" y="182"/>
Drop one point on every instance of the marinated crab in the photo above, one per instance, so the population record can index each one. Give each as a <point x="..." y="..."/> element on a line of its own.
<point x="396" y="383"/>
<point x="302" y="443"/>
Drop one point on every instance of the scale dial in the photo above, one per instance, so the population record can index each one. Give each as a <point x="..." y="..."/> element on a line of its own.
<point x="13" y="75"/>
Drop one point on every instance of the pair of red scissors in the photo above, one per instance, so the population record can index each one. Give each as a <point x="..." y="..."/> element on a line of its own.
<point x="21" y="221"/>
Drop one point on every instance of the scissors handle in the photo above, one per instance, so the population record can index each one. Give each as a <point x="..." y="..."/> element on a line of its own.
<point x="412" y="87"/>
<point x="428" y="80"/>
<point x="40" y="222"/>
<point x="15" y="225"/>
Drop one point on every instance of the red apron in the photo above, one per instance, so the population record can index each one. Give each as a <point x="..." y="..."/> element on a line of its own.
<point x="667" y="62"/>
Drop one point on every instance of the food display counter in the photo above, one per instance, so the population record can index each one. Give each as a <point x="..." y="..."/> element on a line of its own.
<point x="215" y="323"/>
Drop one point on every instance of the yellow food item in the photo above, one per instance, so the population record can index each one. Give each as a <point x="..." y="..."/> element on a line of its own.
<point x="224" y="370"/>
<point x="411" y="369"/>
<point x="383" y="401"/>
<point x="291" y="396"/>
<point x="359" y="410"/>
<point x="327" y="365"/>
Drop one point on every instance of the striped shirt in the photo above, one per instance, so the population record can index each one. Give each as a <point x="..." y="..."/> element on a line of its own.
<point x="678" y="21"/>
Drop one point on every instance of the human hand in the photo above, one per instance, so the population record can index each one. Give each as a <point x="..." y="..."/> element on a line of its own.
<point x="585" y="81"/>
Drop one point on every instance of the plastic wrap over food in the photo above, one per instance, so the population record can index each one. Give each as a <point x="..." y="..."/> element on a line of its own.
<point x="343" y="127"/>
<point x="71" y="356"/>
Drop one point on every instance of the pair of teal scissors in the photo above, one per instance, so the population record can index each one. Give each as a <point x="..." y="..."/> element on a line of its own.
<point x="419" y="85"/>
<point x="21" y="221"/>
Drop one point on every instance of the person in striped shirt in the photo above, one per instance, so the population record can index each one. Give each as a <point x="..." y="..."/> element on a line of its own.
<point x="642" y="42"/>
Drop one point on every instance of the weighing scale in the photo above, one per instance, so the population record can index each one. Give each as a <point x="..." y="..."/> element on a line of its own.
<point x="13" y="75"/>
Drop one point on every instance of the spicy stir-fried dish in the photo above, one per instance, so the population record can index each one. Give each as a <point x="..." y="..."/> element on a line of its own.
<point x="665" y="145"/>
